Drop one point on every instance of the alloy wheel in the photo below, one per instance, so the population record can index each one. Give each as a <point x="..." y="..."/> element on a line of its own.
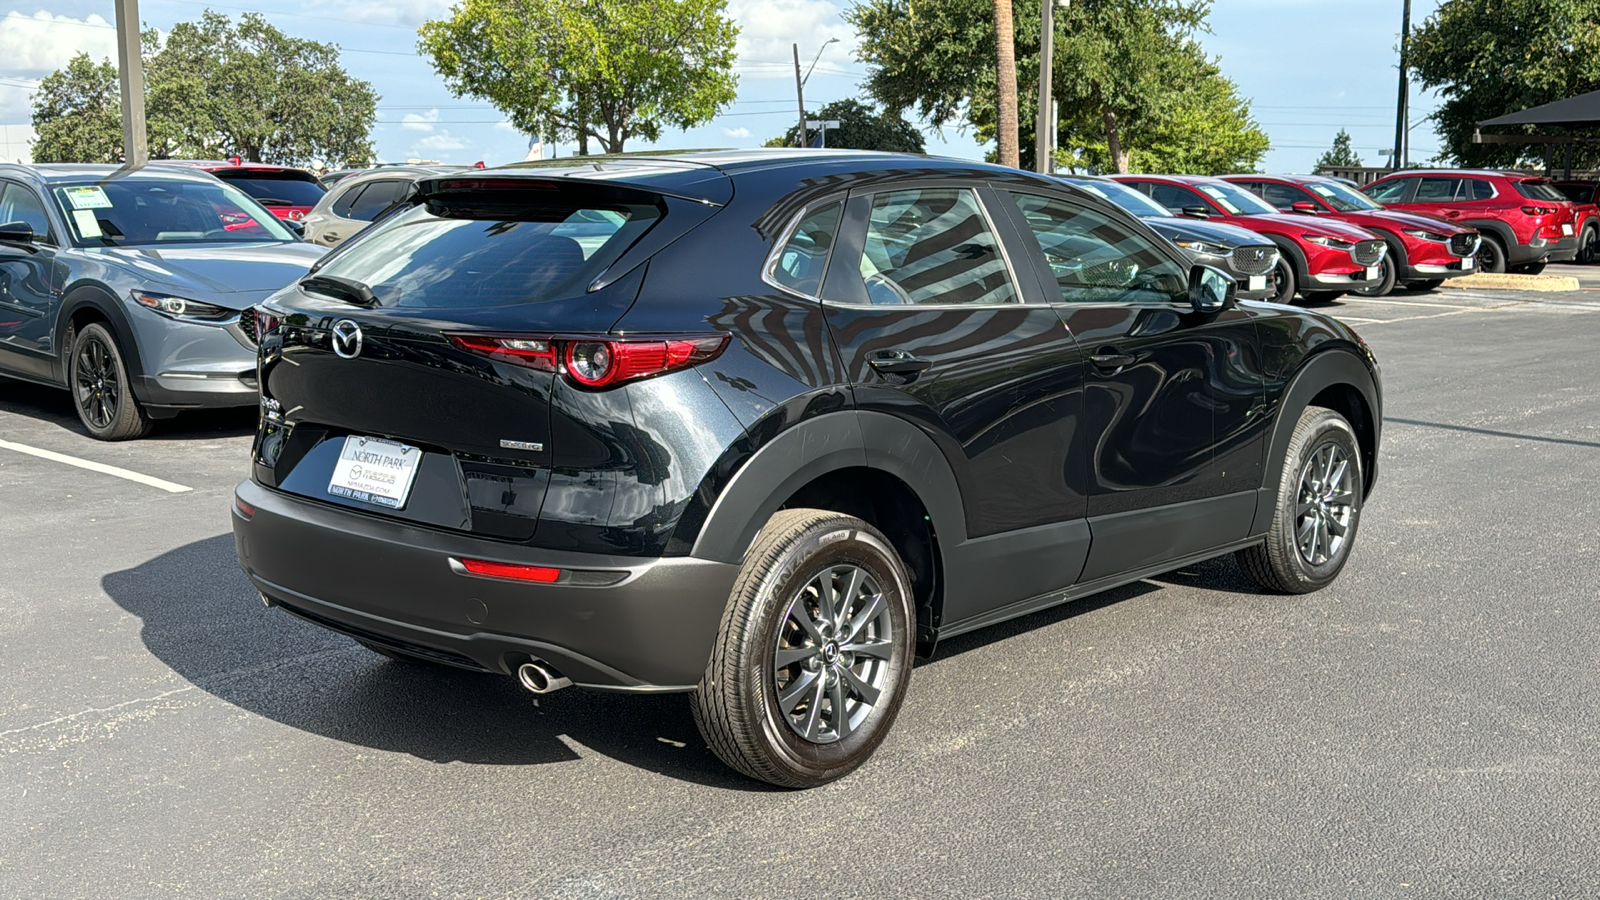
<point x="834" y="649"/>
<point x="1326" y="505"/>
<point x="96" y="383"/>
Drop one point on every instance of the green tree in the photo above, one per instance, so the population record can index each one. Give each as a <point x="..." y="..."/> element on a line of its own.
<point x="1490" y="59"/>
<point x="1341" y="154"/>
<point x="1118" y="65"/>
<point x="861" y="127"/>
<point x="213" y="89"/>
<point x="610" y="70"/>
<point x="253" y="90"/>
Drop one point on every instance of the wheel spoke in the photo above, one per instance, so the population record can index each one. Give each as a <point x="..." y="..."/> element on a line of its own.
<point x="878" y="649"/>
<point x="800" y="616"/>
<point x="1327" y="466"/>
<point x="1341" y="498"/>
<point x="788" y="656"/>
<point x="1308" y="527"/>
<point x="796" y="691"/>
<point x="875" y="608"/>
<point x="1337" y="527"/>
<point x="1303" y="507"/>
<point x="813" y="724"/>
<point x="841" y="715"/>
<point x="826" y="597"/>
<point x="848" y="599"/>
<point x="868" y="694"/>
<point x="1337" y="477"/>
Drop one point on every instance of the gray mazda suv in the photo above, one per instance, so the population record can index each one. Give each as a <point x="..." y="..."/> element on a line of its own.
<point x="133" y="289"/>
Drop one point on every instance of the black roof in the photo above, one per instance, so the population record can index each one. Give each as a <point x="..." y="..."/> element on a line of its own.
<point x="1583" y="109"/>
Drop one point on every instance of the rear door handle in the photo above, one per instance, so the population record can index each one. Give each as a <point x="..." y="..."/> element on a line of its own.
<point x="897" y="362"/>
<point x="1110" y="359"/>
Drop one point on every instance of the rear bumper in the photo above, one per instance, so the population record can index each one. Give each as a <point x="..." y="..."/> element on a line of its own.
<point x="1563" y="250"/>
<point x="392" y="583"/>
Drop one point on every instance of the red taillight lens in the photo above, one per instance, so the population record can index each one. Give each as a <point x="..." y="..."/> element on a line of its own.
<point x="1539" y="210"/>
<point x="487" y="569"/>
<point x="598" y="362"/>
<point x="244" y="509"/>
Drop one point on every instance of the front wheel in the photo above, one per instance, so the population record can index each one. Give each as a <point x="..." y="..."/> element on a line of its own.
<point x="814" y="653"/>
<point x="1384" y="282"/>
<point x="1491" y="255"/>
<point x="1319" y="507"/>
<point x="1282" y="281"/>
<point x="100" y="391"/>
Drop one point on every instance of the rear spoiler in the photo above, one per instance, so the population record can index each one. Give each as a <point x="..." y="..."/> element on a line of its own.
<point x="694" y="182"/>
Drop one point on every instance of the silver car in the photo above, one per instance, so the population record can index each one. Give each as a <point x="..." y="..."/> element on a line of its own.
<point x="352" y="203"/>
<point x="134" y="289"/>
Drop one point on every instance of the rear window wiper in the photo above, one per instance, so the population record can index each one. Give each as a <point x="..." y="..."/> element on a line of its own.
<point x="346" y="289"/>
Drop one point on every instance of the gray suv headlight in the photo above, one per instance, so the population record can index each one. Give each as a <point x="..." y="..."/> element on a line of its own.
<point x="182" y="307"/>
<point x="1203" y="248"/>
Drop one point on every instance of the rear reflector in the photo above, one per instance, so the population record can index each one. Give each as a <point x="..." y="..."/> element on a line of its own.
<point x="486" y="569"/>
<point x="244" y="509"/>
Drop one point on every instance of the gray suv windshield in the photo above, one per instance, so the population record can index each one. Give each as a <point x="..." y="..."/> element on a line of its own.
<point x="139" y="212"/>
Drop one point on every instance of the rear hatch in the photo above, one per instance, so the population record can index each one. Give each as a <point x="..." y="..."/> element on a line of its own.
<point x="408" y="375"/>
<point x="287" y="193"/>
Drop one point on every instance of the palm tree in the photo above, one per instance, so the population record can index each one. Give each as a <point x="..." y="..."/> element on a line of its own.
<point x="1006" y="81"/>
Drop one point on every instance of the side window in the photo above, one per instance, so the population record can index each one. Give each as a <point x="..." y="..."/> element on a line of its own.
<point x="932" y="246"/>
<point x="1282" y="196"/>
<point x="18" y="204"/>
<point x="798" y="265"/>
<point x="341" y="207"/>
<point x="1390" y="191"/>
<point x="1098" y="260"/>
<point x="377" y="197"/>
<point x="1437" y="190"/>
<point x="1478" y="189"/>
<point x="1175" y="198"/>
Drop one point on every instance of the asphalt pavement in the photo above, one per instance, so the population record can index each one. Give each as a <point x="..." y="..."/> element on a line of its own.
<point x="1429" y="726"/>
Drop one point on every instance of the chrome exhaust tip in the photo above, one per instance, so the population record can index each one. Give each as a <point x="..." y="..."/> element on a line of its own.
<point x="539" y="678"/>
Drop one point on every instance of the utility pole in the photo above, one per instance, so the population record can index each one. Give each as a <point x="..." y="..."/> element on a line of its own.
<point x="800" y="94"/>
<point x="135" y="149"/>
<point x="1045" y="129"/>
<point x="1402" y="110"/>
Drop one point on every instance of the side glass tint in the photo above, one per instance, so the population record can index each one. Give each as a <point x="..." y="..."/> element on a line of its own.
<point x="1281" y="195"/>
<point x="1175" y="198"/>
<point x="933" y="246"/>
<point x="18" y="204"/>
<point x="800" y="263"/>
<point x="1438" y="190"/>
<point x="1098" y="260"/>
<point x="341" y="206"/>
<point x="1389" y="191"/>
<point x="378" y="196"/>
<point x="1480" y="189"/>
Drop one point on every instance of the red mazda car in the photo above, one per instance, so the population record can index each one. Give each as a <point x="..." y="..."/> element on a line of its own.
<point x="289" y="193"/>
<point x="1524" y="221"/>
<point x="1585" y="197"/>
<point x="1320" y="259"/>
<point x="1424" y="250"/>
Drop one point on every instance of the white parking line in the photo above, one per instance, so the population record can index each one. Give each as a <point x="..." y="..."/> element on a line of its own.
<point x="102" y="468"/>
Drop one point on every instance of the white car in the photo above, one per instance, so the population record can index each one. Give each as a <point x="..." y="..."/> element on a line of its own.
<point x="352" y="203"/>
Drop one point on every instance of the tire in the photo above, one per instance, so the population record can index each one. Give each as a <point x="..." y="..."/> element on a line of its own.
<point x="98" y="380"/>
<point x="1282" y="281"/>
<point x="1282" y="563"/>
<point x="1427" y="285"/>
<point x="1385" y="282"/>
<point x="1586" y="245"/>
<point x="802" y="556"/>
<point x="396" y="655"/>
<point x="1529" y="268"/>
<point x="1322" y="296"/>
<point x="1491" y="255"/>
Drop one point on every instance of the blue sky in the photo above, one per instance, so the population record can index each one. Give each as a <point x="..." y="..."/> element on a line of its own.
<point x="1309" y="66"/>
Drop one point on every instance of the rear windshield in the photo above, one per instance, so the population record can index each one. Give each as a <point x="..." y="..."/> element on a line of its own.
<point x="1538" y="190"/>
<point x="139" y="212"/>
<point x="277" y="190"/>
<point x="470" y="254"/>
<point x="1577" y="193"/>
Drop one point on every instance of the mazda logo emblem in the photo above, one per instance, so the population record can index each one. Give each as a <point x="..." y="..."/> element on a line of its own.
<point x="346" y="339"/>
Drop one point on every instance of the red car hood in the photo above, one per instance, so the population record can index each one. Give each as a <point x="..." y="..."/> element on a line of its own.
<point x="1296" y="225"/>
<point x="1397" y="219"/>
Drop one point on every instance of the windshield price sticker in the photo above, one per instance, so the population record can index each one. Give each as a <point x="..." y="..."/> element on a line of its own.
<point x="91" y="197"/>
<point x="88" y="225"/>
<point x="374" y="471"/>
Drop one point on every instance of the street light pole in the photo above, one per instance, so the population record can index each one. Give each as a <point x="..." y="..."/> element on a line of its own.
<point x="800" y="94"/>
<point x="1402" y="109"/>
<point x="1044" y="144"/>
<point x="135" y="150"/>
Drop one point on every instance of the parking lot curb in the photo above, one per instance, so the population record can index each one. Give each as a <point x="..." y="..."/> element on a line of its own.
<point x="1508" y="281"/>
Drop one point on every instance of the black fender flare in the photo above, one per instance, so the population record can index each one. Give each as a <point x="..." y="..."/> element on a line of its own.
<point x="1502" y="231"/>
<point x="815" y="447"/>
<point x="1317" y="373"/>
<point x="1297" y="258"/>
<point x="1397" y="247"/>
<point x="103" y="302"/>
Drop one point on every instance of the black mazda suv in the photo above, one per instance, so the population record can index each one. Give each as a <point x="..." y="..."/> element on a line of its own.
<point x="765" y="426"/>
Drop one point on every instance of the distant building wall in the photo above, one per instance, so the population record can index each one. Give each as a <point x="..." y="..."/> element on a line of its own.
<point x="16" y="143"/>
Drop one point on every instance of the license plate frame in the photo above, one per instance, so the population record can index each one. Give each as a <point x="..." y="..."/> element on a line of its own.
<point x="1257" y="283"/>
<point x="1566" y="229"/>
<point x="1466" y="262"/>
<point x="1372" y="273"/>
<point x="374" y="470"/>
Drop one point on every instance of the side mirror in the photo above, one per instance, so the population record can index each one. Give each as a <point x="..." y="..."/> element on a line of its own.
<point x="1304" y="206"/>
<point x="1211" y="290"/>
<point x="16" y="233"/>
<point x="297" y="227"/>
<point x="1197" y="212"/>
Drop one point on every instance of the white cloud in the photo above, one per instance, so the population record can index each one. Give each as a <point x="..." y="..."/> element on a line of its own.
<point x="410" y="13"/>
<point x="420" y="121"/>
<point x="736" y="132"/>
<point x="441" y="142"/>
<point x="769" y="28"/>
<point x="506" y="127"/>
<point x="41" y="43"/>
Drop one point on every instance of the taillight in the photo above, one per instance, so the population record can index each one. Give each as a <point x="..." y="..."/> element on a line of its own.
<point x="1540" y="210"/>
<point x="597" y="362"/>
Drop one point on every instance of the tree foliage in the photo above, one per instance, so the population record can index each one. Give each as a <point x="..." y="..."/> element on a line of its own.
<point x="610" y="70"/>
<point x="1133" y="86"/>
<point x="1340" y="155"/>
<point x="861" y="127"/>
<point x="213" y="89"/>
<point x="1490" y="59"/>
